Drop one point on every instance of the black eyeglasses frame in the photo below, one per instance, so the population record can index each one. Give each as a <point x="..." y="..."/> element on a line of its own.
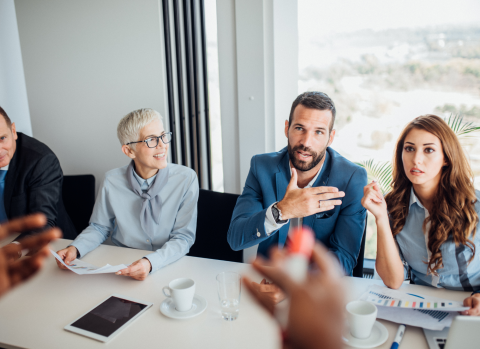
<point x="159" y="137"/>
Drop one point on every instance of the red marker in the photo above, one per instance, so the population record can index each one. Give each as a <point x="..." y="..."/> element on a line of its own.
<point x="300" y="247"/>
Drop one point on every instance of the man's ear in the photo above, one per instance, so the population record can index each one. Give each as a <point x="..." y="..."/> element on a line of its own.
<point x="128" y="151"/>
<point x="286" y="128"/>
<point x="14" y="131"/>
<point x="332" y="136"/>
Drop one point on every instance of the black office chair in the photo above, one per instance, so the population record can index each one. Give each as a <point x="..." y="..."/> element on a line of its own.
<point x="78" y="194"/>
<point x="214" y="214"/>
<point x="358" y="270"/>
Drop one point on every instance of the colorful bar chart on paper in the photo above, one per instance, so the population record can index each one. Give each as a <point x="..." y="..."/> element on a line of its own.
<point x="384" y="300"/>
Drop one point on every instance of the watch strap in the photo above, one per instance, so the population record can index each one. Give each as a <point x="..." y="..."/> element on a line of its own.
<point x="277" y="214"/>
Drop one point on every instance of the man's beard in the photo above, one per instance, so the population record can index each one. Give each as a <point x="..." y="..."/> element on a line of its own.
<point x="303" y="165"/>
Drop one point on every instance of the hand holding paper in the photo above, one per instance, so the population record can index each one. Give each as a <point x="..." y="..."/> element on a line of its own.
<point x="82" y="268"/>
<point x="68" y="255"/>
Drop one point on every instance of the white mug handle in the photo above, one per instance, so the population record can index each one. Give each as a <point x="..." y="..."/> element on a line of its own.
<point x="169" y="291"/>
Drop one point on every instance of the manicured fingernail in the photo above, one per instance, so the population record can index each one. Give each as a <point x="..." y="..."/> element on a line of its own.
<point x="118" y="273"/>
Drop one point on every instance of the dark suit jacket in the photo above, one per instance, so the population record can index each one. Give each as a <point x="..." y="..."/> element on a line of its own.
<point x="34" y="184"/>
<point x="340" y="229"/>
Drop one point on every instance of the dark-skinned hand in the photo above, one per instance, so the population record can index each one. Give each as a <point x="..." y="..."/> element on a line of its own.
<point x="14" y="272"/>
<point x="315" y="319"/>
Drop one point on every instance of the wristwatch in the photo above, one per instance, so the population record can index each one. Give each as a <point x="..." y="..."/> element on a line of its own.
<point x="277" y="214"/>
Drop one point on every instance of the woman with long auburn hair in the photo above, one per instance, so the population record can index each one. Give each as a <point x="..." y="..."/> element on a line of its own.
<point x="429" y="221"/>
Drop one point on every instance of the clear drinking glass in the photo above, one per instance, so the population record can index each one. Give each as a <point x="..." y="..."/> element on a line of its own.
<point x="229" y="289"/>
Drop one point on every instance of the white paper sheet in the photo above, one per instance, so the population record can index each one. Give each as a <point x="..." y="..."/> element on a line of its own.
<point x="386" y="297"/>
<point x="435" y="320"/>
<point x="82" y="268"/>
<point x="425" y="316"/>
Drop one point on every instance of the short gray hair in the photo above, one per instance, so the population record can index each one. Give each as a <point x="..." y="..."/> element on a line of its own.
<point x="128" y="129"/>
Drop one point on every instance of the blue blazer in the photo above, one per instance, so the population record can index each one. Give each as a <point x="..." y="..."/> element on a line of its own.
<point x="340" y="229"/>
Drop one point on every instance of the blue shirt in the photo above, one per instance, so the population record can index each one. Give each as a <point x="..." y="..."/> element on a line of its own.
<point x="117" y="212"/>
<point x="3" y="213"/>
<point x="456" y="273"/>
<point x="144" y="183"/>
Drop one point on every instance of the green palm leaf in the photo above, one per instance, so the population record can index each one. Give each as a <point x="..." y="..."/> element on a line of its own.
<point x="380" y="172"/>
<point x="459" y="127"/>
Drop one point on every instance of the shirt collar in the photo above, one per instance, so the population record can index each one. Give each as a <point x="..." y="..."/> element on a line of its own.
<point x="140" y="180"/>
<point x="414" y="199"/>
<point x="4" y="168"/>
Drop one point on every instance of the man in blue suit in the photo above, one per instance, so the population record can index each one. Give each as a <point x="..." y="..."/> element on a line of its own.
<point x="305" y="183"/>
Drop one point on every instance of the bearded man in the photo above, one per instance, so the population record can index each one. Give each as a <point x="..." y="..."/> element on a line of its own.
<point x="306" y="183"/>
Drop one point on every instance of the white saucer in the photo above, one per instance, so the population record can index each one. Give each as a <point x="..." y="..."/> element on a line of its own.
<point x="378" y="336"/>
<point x="168" y="308"/>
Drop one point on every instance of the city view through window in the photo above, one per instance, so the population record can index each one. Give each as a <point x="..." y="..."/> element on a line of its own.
<point x="385" y="63"/>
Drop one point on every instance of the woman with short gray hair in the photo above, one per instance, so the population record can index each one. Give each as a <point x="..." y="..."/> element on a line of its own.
<point x="149" y="204"/>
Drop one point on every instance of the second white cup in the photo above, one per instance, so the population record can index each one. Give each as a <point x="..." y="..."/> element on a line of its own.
<point x="361" y="318"/>
<point x="182" y="292"/>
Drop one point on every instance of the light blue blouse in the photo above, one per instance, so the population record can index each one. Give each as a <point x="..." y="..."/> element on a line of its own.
<point x="456" y="273"/>
<point x="117" y="212"/>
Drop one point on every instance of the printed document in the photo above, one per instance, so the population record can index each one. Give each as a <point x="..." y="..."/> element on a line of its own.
<point x="415" y="310"/>
<point x="82" y="268"/>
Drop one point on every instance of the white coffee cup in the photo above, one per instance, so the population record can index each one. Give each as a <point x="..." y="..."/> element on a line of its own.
<point x="361" y="318"/>
<point x="182" y="292"/>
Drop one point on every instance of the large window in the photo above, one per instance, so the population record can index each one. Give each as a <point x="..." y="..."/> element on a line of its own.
<point x="387" y="62"/>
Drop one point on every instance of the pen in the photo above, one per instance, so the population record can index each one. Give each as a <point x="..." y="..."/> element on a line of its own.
<point x="398" y="337"/>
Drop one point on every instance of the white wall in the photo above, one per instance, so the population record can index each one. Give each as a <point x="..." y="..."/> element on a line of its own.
<point x="227" y="68"/>
<point x="258" y="69"/>
<point x="87" y="64"/>
<point x="285" y="67"/>
<point x="13" y="92"/>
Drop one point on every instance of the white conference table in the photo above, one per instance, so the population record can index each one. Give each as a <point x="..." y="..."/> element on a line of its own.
<point x="33" y="315"/>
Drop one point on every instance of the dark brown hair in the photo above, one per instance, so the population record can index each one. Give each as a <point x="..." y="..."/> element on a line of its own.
<point x="314" y="100"/>
<point x="453" y="213"/>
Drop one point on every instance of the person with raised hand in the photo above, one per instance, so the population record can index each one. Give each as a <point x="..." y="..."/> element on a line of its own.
<point x="315" y="317"/>
<point x="13" y="272"/>
<point x="427" y="225"/>
<point x="149" y="204"/>
<point x="305" y="183"/>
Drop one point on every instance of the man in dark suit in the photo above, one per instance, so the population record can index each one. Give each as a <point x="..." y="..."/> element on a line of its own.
<point x="30" y="180"/>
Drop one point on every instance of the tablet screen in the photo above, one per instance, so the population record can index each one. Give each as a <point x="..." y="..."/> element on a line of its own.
<point x="109" y="316"/>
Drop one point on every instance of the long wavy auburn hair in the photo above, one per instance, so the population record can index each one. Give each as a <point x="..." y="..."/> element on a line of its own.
<point x="453" y="212"/>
